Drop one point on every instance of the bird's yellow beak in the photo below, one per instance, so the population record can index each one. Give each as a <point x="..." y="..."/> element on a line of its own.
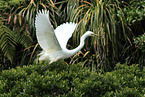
<point x="95" y="35"/>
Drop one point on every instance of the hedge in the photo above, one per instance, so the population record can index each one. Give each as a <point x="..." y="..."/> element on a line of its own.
<point x="60" y="80"/>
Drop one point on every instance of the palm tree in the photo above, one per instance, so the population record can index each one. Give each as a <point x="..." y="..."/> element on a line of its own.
<point x="102" y="18"/>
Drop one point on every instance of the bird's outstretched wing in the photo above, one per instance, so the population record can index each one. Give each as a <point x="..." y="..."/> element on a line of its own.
<point x="45" y="32"/>
<point x="64" y="32"/>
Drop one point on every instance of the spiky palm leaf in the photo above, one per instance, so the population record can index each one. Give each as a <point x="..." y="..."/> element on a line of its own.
<point x="27" y="12"/>
<point x="101" y="18"/>
<point x="7" y="41"/>
<point x="21" y="22"/>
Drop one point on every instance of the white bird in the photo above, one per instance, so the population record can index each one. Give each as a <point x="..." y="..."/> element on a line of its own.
<point x="53" y="42"/>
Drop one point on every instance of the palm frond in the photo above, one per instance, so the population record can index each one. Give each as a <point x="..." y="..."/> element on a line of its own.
<point x="101" y="18"/>
<point x="7" y="42"/>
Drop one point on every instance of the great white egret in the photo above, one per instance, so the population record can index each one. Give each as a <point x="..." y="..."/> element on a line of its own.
<point x="53" y="42"/>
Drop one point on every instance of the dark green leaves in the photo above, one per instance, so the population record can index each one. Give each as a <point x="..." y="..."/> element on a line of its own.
<point x="72" y="80"/>
<point x="7" y="42"/>
<point x="140" y="42"/>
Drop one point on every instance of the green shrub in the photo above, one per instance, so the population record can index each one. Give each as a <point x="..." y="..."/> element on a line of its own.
<point x="140" y="42"/>
<point x="133" y="11"/>
<point x="140" y="45"/>
<point x="73" y="80"/>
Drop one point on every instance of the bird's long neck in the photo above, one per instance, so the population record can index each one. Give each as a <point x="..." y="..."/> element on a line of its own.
<point x="82" y="42"/>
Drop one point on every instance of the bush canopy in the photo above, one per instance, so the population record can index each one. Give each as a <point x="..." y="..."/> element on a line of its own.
<point x="61" y="80"/>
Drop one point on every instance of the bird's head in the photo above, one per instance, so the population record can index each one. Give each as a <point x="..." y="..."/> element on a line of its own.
<point x="87" y="34"/>
<point x="90" y="33"/>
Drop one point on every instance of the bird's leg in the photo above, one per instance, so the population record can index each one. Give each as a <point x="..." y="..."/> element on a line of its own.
<point x="46" y="66"/>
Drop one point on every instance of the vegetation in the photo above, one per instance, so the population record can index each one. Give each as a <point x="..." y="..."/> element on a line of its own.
<point x="140" y="45"/>
<point x="73" y="80"/>
<point x="115" y="21"/>
<point x="97" y="71"/>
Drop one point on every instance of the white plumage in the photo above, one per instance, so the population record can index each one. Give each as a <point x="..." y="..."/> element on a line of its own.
<point x="53" y="42"/>
<point x="64" y="32"/>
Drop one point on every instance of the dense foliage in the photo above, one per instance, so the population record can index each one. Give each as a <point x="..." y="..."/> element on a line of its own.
<point x="140" y="42"/>
<point x="61" y="80"/>
<point x="120" y="25"/>
<point x="140" y="45"/>
<point x="115" y="21"/>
